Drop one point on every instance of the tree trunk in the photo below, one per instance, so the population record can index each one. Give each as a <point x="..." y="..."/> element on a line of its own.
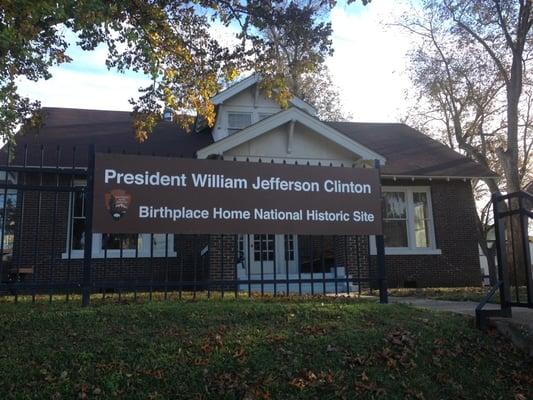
<point x="488" y="252"/>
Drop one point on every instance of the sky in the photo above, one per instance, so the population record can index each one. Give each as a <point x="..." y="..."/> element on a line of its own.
<point x="368" y="67"/>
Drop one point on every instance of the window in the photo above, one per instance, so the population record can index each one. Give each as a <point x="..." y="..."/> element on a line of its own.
<point x="111" y="245"/>
<point x="8" y="204"/>
<point x="77" y="226"/>
<point x="238" y="121"/>
<point x="407" y="221"/>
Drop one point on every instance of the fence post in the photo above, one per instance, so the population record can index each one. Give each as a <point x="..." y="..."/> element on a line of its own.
<point x="380" y="251"/>
<point x="88" y="245"/>
<point x="501" y="254"/>
<point x="524" y="222"/>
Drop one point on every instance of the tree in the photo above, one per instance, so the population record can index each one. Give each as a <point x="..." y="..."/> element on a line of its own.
<point x="317" y="88"/>
<point x="465" y="68"/>
<point x="168" y="40"/>
<point x="296" y="53"/>
<point x="502" y="28"/>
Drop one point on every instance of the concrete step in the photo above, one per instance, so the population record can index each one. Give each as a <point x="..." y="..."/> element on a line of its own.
<point x="520" y="334"/>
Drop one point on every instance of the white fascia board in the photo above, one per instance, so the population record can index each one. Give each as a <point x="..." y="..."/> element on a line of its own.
<point x="296" y="101"/>
<point x="231" y="91"/>
<point x="235" y="89"/>
<point x="283" y="117"/>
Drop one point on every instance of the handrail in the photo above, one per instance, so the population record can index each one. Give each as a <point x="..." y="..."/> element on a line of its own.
<point x="482" y="315"/>
<point x="520" y="193"/>
<point x="517" y="211"/>
<point x="488" y="296"/>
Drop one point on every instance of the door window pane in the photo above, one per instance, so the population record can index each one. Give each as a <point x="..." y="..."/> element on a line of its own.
<point x="264" y="247"/>
<point x="289" y="247"/>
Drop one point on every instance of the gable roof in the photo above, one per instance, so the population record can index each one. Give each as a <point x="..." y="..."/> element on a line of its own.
<point x="247" y="82"/>
<point x="407" y="151"/>
<point x="410" y="153"/>
<point x="292" y="114"/>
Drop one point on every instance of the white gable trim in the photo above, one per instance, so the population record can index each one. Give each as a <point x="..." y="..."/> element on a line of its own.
<point x="231" y="91"/>
<point x="296" y="101"/>
<point x="235" y="89"/>
<point x="291" y="115"/>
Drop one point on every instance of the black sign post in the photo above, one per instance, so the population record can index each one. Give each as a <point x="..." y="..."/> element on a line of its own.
<point x="380" y="252"/>
<point x="88" y="243"/>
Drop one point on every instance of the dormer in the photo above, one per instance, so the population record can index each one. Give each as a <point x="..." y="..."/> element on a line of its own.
<point x="244" y="104"/>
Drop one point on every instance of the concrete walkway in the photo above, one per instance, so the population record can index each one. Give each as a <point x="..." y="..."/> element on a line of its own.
<point x="521" y="316"/>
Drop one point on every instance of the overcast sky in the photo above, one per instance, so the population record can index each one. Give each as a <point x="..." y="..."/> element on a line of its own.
<point x="368" y="66"/>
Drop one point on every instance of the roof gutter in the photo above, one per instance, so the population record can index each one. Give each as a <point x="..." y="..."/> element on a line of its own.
<point x="445" y="177"/>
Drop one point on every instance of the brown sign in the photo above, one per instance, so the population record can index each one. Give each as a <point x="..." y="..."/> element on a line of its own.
<point x="139" y="194"/>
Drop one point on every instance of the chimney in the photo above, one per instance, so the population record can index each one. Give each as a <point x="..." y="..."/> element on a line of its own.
<point x="167" y="115"/>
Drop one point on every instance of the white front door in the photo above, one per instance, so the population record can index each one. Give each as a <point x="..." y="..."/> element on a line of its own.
<point x="265" y="252"/>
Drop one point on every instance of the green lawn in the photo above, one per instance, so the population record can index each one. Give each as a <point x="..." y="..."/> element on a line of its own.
<point x="252" y="349"/>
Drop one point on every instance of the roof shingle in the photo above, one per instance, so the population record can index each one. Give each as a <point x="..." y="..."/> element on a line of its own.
<point x="410" y="152"/>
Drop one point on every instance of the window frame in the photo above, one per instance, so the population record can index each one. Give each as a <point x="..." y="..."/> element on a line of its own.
<point x="411" y="248"/>
<point x="232" y="130"/>
<point x="223" y="122"/>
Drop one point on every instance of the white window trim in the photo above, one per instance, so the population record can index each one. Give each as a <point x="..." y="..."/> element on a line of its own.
<point x="98" y="252"/>
<point x="411" y="250"/>
<point x="143" y="252"/>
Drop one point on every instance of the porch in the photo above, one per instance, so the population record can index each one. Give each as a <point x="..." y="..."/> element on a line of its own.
<point x="301" y="264"/>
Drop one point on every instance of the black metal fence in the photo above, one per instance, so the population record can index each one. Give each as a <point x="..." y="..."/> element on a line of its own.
<point x="512" y="219"/>
<point x="48" y="248"/>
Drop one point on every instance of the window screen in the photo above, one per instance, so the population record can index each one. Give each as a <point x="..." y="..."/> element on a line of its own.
<point x="238" y="121"/>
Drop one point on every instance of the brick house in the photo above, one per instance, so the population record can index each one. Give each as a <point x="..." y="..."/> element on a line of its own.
<point x="429" y="211"/>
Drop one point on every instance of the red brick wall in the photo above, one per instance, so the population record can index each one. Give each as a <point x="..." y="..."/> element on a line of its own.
<point x="222" y="259"/>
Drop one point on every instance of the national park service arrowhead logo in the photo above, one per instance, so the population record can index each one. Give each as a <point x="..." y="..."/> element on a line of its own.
<point x="117" y="202"/>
